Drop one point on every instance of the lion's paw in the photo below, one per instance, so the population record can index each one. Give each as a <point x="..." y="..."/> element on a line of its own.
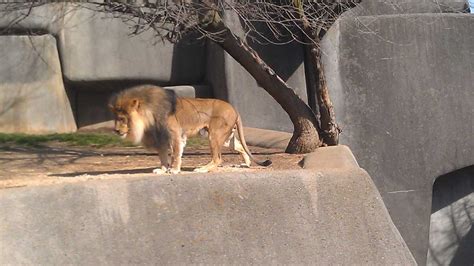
<point x="160" y="171"/>
<point x="201" y="170"/>
<point x="175" y="171"/>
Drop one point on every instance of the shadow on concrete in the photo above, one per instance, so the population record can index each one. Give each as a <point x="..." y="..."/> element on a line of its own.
<point x="89" y="98"/>
<point x="452" y="219"/>
<point x="58" y="159"/>
<point x="465" y="253"/>
<point x="14" y="99"/>
<point x="186" y="53"/>
<point x="448" y="189"/>
<point x="147" y="170"/>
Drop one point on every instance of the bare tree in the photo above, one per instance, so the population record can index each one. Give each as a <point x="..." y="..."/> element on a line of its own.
<point x="297" y="20"/>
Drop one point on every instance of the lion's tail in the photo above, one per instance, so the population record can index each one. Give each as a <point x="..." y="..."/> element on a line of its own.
<point x="240" y="131"/>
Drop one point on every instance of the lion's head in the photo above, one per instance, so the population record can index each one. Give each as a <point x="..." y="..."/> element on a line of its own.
<point x="129" y="118"/>
<point x="139" y="108"/>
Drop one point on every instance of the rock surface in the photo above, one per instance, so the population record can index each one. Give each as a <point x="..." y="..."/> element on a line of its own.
<point x="32" y="94"/>
<point x="402" y="92"/>
<point x="328" y="216"/>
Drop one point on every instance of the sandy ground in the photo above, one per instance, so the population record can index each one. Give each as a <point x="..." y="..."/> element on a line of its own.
<point x="59" y="163"/>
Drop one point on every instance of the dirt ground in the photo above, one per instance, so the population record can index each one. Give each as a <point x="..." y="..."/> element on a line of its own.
<point x="59" y="163"/>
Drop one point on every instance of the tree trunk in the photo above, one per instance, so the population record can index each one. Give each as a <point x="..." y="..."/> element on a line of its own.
<point x="328" y="128"/>
<point x="305" y="135"/>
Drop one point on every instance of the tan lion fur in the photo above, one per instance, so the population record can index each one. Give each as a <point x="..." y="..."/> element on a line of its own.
<point x="159" y="120"/>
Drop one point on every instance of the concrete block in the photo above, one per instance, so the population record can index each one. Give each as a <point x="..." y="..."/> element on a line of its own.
<point x="267" y="138"/>
<point x="402" y="92"/>
<point x="189" y="91"/>
<point x="392" y="7"/>
<point x="333" y="157"/>
<point x="42" y="19"/>
<point x="278" y="217"/>
<point x="97" y="46"/>
<point x="32" y="94"/>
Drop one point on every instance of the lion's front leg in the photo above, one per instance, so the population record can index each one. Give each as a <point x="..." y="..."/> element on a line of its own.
<point x="179" y="142"/>
<point x="165" y="166"/>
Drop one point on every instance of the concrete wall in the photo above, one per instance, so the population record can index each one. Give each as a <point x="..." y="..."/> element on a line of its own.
<point x="95" y="46"/>
<point x="391" y="7"/>
<point x="324" y="216"/>
<point x="402" y="91"/>
<point x="452" y="219"/>
<point x="32" y="94"/>
<point x="100" y="56"/>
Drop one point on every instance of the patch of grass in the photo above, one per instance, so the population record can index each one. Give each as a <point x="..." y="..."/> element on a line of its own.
<point x="197" y="142"/>
<point x="76" y="139"/>
<point x="80" y="139"/>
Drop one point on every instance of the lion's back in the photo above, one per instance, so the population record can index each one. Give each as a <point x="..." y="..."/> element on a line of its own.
<point x="197" y="112"/>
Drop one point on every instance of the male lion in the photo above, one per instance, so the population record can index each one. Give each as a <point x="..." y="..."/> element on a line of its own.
<point x="161" y="121"/>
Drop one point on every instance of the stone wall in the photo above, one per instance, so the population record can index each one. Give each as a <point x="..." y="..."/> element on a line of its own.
<point x="393" y="7"/>
<point x="32" y="95"/>
<point x="402" y="92"/>
<point x="98" y="56"/>
<point x="329" y="216"/>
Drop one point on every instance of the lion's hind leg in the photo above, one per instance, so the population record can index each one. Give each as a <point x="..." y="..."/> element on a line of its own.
<point x="234" y="143"/>
<point x="218" y="133"/>
<point x="216" y="145"/>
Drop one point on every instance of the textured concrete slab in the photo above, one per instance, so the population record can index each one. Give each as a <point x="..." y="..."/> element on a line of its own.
<point x="391" y="7"/>
<point x="32" y="94"/>
<point x="402" y="91"/>
<point x="266" y="138"/>
<point x="190" y="91"/>
<point x="334" y="157"/>
<point x="280" y="217"/>
<point x="96" y="46"/>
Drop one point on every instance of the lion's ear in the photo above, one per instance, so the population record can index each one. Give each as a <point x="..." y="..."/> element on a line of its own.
<point x="111" y="107"/>
<point x="135" y="104"/>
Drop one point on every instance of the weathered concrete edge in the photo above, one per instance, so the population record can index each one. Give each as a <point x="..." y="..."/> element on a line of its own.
<point x="341" y="158"/>
<point x="334" y="158"/>
<point x="326" y="164"/>
<point x="266" y="138"/>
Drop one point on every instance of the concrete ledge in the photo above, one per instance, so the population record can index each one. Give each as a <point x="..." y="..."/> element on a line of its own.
<point x="191" y="91"/>
<point x="266" y="138"/>
<point x="334" y="157"/>
<point x="279" y="217"/>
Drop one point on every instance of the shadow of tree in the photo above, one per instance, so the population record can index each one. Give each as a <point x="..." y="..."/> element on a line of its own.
<point x="57" y="159"/>
<point x="146" y="170"/>
<point x="452" y="219"/>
